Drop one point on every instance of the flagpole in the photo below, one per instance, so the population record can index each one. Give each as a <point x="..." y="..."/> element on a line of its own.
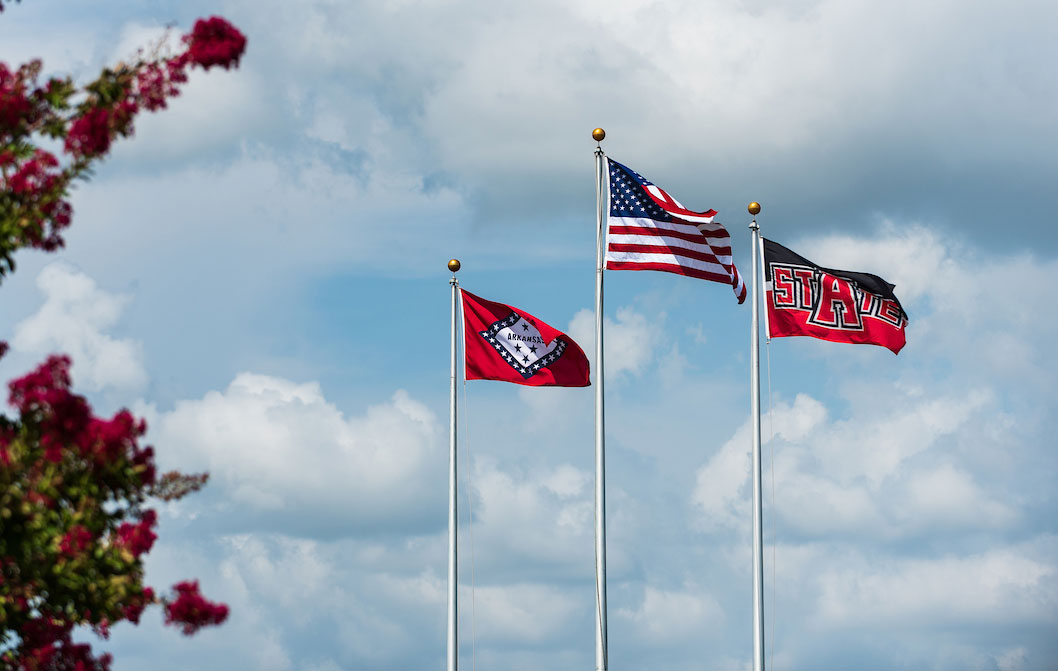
<point x="601" y="662"/>
<point x="758" y="533"/>
<point x="453" y="587"/>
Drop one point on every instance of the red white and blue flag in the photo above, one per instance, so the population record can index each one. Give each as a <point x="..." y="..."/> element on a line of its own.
<point x="650" y="230"/>
<point x="804" y="299"/>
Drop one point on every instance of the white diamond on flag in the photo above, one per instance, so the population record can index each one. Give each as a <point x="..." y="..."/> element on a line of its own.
<point x="520" y="344"/>
<point x="524" y="342"/>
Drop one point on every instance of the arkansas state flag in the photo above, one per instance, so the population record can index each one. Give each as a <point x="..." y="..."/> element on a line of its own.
<point x="838" y="305"/>
<point x="507" y="344"/>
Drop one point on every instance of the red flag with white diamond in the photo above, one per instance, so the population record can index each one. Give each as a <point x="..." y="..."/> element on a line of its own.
<point x="510" y="345"/>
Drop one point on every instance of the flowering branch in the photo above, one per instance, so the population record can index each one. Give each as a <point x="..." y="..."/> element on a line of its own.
<point x="75" y="526"/>
<point x="35" y="182"/>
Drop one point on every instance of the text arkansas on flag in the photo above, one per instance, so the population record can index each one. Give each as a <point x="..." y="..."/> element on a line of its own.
<point x="804" y="299"/>
<point x="507" y="344"/>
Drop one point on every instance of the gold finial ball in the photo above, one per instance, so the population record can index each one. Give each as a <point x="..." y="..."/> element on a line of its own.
<point x="454" y="265"/>
<point x="754" y="208"/>
<point x="598" y="135"/>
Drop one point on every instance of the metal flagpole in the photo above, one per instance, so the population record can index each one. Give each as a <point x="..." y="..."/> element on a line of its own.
<point x="601" y="662"/>
<point x="453" y="587"/>
<point x="758" y="537"/>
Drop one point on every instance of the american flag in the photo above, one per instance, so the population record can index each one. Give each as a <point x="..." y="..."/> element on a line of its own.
<point x="650" y="230"/>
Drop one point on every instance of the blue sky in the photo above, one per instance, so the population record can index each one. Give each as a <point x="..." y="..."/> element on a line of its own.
<point x="260" y="273"/>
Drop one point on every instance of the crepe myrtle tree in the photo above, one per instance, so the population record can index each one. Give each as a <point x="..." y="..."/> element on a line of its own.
<point x="76" y="489"/>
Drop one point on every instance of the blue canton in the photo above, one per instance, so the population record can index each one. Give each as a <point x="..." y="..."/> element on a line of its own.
<point x="628" y="198"/>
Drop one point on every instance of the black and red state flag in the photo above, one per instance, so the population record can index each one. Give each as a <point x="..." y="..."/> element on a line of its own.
<point x="510" y="345"/>
<point x="804" y="299"/>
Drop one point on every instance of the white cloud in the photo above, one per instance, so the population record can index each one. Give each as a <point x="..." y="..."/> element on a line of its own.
<point x="630" y="341"/>
<point x="1012" y="659"/>
<point x="968" y="306"/>
<point x="215" y="111"/>
<point x="298" y="603"/>
<point x="523" y="613"/>
<point x="874" y="448"/>
<point x="1004" y="584"/>
<point x="280" y="449"/>
<point x="827" y="66"/>
<point x="851" y="476"/>
<point x="667" y="616"/>
<point x="72" y="320"/>
<point x="542" y="517"/>
<point x="720" y="491"/>
<point x="567" y="481"/>
<point x="279" y="217"/>
<point x="948" y="493"/>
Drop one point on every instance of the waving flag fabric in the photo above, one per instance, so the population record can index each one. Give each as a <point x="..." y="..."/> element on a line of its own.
<point x="650" y="230"/>
<point x="804" y="299"/>
<point x="507" y="344"/>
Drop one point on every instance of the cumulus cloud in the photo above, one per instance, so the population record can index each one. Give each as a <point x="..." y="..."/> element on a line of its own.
<point x="666" y="616"/>
<point x="524" y="613"/>
<point x="544" y="518"/>
<point x="299" y="604"/>
<point x="281" y="452"/>
<point x="585" y="64"/>
<point x="891" y="507"/>
<point x="967" y="306"/>
<point x="73" y="320"/>
<point x="860" y="475"/>
<point x="630" y="340"/>
<point x="1002" y="585"/>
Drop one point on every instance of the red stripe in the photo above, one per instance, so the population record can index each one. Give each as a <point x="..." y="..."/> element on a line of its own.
<point x="669" y="206"/>
<point x="656" y="233"/>
<point x="673" y="210"/>
<point x="669" y="268"/>
<point x="666" y="233"/>
<point x="632" y="222"/>
<point x="720" y="231"/>
<point x="664" y="249"/>
<point x="677" y="211"/>
<point x="716" y="235"/>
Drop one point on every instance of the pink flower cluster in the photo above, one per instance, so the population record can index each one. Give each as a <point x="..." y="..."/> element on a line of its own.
<point x="35" y="182"/>
<point x="214" y="41"/>
<point x="91" y="133"/>
<point x="76" y="541"/>
<point x="32" y="178"/>
<point x="138" y="538"/>
<point x="134" y="609"/>
<point x="22" y="103"/>
<point x="191" y="610"/>
<point x="14" y="105"/>
<point x="161" y="80"/>
<point x="67" y="423"/>
<point x="49" y="648"/>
